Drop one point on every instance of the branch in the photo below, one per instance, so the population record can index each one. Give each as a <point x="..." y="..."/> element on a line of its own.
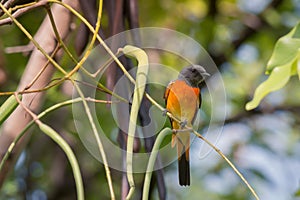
<point x="7" y="5"/>
<point x="22" y="11"/>
<point x="26" y="49"/>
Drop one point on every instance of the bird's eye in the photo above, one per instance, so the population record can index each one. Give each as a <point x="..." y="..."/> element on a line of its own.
<point x="194" y="70"/>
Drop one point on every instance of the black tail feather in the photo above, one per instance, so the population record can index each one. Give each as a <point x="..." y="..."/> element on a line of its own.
<point x="184" y="170"/>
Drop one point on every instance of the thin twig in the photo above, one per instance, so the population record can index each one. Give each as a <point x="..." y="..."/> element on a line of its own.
<point x="7" y="5"/>
<point x="22" y="11"/>
<point x="43" y="69"/>
<point x="228" y="161"/>
<point x="59" y="39"/>
<point x="19" y="49"/>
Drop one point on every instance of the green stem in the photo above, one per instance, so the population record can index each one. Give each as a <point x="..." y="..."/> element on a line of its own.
<point x="8" y="107"/>
<point x="139" y="90"/>
<point x="68" y="151"/>
<point x="98" y="140"/>
<point x="152" y="159"/>
<point x="59" y="39"/>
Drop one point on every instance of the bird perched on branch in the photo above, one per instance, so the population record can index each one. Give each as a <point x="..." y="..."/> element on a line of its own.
<point x="183" y="99"/>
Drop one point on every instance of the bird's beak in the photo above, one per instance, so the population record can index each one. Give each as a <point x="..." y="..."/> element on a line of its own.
<point x="205" y="74"/>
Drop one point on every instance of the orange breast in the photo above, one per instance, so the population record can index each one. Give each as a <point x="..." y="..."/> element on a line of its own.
<point x="183" y="101"/>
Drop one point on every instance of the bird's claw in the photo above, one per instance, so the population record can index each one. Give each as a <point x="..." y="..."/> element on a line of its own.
<point x="165" y="112"/>
<point x="175" y="131"/>
<point x="183" y="124"/>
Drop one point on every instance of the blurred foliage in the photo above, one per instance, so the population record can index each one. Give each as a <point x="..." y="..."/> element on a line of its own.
<point x="240" y="35"/>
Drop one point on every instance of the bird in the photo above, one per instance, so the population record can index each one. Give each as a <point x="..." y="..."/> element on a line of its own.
<point x="183" y="100"/>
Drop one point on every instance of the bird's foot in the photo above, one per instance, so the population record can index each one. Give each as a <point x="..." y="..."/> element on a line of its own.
<point x="183" y="124"/>
<point x="164" y="113"/>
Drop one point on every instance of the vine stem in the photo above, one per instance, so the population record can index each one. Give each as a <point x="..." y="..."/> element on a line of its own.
<point x="152" y="159"/>
<point x="139" y="90"/>
<point x="63" y="144"/>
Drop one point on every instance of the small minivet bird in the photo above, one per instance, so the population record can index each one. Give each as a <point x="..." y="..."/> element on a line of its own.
<point x="183" y="99"/>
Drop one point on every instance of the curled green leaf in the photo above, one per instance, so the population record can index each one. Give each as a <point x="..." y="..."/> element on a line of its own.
<point x="277" y="79"/>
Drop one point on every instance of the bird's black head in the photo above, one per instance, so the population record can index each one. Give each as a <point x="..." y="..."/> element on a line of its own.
<point x="193" y="75"/>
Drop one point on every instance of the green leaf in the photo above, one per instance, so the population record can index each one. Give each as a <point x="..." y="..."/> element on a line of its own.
<point x="286" y="49"/>
<point x="277" y="79"/>
<point x="8" y="107"/>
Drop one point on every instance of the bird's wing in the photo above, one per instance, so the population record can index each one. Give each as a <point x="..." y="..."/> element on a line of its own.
<point x="200" y="99"/>
<point x="167" y="91"/>
<point x="166" y="95"/>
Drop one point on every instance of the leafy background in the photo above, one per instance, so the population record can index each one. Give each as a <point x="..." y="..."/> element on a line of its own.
<point x="240" y="36"/>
